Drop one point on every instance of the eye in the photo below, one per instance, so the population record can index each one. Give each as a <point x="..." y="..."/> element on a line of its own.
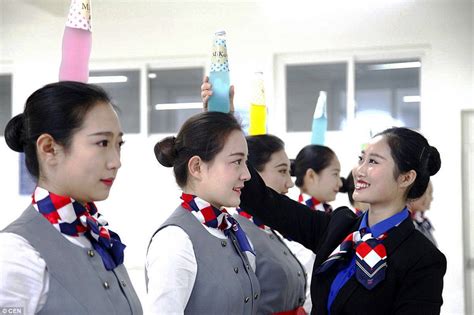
<point x="238" y="162"/>
<point x="121" y="143"/>
<point x="372" y="161"/>
<point x="103" y="143"/>
<point x="360" y="158"/>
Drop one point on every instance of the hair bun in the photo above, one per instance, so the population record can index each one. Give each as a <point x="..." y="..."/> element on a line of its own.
<point x="14" y="135"/>
<point x="165" y="151"/>
<point x="292" y="167"/>
<point x="434" y="161"/>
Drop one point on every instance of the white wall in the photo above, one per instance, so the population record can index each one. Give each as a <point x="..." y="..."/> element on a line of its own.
<point x="138" y="31"/>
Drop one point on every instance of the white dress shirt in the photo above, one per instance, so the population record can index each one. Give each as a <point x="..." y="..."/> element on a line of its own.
<point x="24" y="278"/>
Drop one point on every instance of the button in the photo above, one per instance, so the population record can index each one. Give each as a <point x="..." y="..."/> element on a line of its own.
<point x="255" y="296"/>
<point x="247" y="299"/>
<point x="236" y="269"/>
<point x="272" y="236"/>
<point x="106" y="285"/>
<point x="300" y="301"/>
<point x="91" y="253"/>
<point x="285" y="253"/>
<point x="124" y="284"/>
<point x="247" y="266"/>
<point x="299" y="273"/>
<point x="223" y="243"/>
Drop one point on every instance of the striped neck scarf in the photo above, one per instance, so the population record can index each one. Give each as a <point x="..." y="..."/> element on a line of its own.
<point x="253" y="219"/>
<point x="72" y="218"/>
<point x="314" y="203"/>
<point x="213" y="217"/>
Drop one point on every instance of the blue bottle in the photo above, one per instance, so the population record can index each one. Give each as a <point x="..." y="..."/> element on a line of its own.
<point x="320" y="121"/>
<point x="219" y="75"/>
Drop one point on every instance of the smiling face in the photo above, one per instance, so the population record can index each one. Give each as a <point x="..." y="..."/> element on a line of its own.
<point x="324" y="185"/>
<point x="276" y="172"/>
<point x="87" y="169"/>
<point x="375" y="182"/>
<point x="224" y="176"/>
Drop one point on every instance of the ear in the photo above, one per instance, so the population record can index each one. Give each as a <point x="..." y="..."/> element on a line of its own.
<point x="310" y="175"/>
<point x="195" y="167"/>
<point x="406" y="179"/>
<point x="47" y="149"/>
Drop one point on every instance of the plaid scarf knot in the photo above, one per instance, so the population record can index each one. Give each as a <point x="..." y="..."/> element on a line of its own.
<point x="72" y="218"/>
<point x="213" y="217"/>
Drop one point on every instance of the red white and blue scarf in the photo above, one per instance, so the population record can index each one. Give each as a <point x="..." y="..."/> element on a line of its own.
<point x="253" y="219"/>
<point x="220" y="219"/>
<point x="75" y="219"/>
<point x="314" y="203"/>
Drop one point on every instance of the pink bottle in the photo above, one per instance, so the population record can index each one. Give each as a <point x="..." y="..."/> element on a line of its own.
<point x="77" y="43"/>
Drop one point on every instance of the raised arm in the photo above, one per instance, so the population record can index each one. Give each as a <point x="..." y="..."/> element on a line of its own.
<point x="287" y="216"/>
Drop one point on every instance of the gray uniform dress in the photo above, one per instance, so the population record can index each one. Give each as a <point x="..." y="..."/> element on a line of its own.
<point x="225" y="282"/>
<point x="78" y="280"/>
<point x="282" y="277"/>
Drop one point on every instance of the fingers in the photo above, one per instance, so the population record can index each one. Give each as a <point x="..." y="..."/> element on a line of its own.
<point x="231" y="98"/>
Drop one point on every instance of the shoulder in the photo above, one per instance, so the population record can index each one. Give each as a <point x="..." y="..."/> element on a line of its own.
<point x="14" y="247"/>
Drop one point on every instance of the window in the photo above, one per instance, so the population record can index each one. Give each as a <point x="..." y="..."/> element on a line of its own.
<point x="303" y="84"/>
<point x="174" y="97"/>
<point x="387" y="93"/>
<point x="5" y="101"/>
<point x="123" y="87"/>
<point x="365" y="93"/>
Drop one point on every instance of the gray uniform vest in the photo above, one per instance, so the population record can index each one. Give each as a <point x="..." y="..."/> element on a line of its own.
<point x="225" y="282"/>
<point x="78" y="280"/>
<point x="282" y="278"/>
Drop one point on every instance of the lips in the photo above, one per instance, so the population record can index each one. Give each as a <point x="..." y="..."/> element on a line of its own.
<point x="238" y="189"/>
<point x="108" y="181"/>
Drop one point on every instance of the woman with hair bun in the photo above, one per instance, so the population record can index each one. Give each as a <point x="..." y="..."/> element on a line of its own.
<point x="200" y="260"/>
<point x="59" y="257"/>
<point x="377" y="263"/>
<point x="317" y="171"/>
<point x="276" y="264"/>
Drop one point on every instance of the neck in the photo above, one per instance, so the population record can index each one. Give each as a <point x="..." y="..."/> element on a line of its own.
<point x="378" y="213"/>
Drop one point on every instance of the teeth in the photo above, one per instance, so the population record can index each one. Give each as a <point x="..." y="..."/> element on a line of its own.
<point x="362" y="185"/>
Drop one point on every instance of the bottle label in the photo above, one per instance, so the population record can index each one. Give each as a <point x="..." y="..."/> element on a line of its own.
<point x="79" y="15"/>
<point x="219" y="61"/>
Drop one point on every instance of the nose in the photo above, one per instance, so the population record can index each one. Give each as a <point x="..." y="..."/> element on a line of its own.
<point x="114" y="159"/>
<point x="289" y="182"/>
<point x="245" y="176"/>
<point x="359" y="170"/>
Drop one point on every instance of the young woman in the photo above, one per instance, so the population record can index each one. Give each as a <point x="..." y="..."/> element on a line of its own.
<point x="200" y="260"/>
<point x="59" y="257"/>
<point x="377" y="263"/>
<point x="317" y="171"/>
<point x="276" y="264"/>
<point x="418" y="207"/>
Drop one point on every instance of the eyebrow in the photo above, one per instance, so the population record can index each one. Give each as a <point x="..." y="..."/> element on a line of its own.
<point x="104" y="133"/>
<point x="375" y="155"/>
<point x="238" y="154"/>
<point x="281" y="164"/>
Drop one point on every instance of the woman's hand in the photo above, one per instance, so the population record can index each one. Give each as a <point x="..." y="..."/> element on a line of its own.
<point x="206" y="92"/>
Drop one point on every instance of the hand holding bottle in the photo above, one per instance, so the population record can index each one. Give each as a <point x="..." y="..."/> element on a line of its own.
<point x="206" y="92"/>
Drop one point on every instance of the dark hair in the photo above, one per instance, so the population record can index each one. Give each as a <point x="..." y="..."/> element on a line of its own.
<point x="411" y="151"/>
<point x="57" y="109"/>
<point x="348" y="186"/>
<point x="313" y="156"/>
<point x="261" y="148"/>
<point x="203" y="135"/>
